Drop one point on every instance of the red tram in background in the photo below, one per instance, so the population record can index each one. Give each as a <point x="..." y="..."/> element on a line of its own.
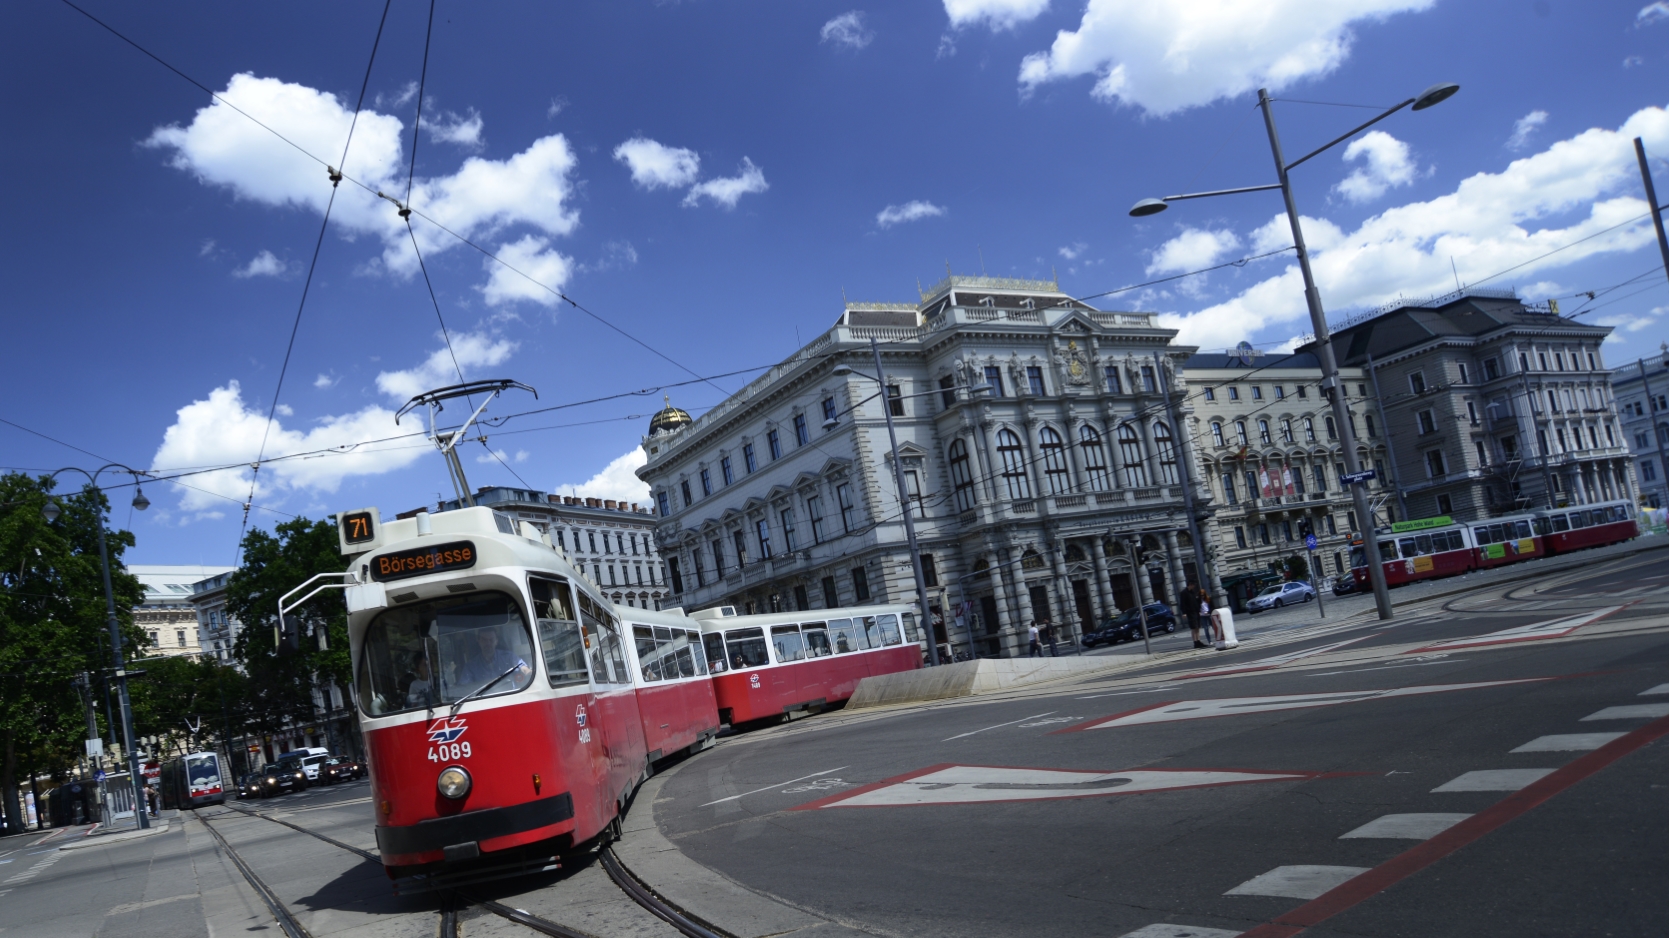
<point x="768" y="666"/>
<point x="510" y="710"/>
<point x="1430" y="548"/>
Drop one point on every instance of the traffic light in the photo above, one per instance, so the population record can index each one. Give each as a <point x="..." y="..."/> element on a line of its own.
<point x="286" y="636"/>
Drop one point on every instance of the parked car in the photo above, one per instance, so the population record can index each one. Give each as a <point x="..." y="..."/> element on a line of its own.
<point x="249" y="786"/>
<point x="1127" y="625"/>
<point x="341" y="769"/>
<point x="308" y="760"/>
<point x="1281" y="594"/>
<point x="280" y="777"/>
<point x="1343" y="584"/>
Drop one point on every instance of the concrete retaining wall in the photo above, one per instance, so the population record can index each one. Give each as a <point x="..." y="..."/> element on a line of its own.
<point x="969" y="678"/>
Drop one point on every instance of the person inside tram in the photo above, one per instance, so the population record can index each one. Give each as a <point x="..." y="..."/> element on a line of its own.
<point x="421" y="691"/>
<point x="739" y="662"/>
<point x="490" y="662"/>
<point x="841" y="644"/>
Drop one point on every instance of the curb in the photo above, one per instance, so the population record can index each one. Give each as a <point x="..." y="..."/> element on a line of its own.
<point x="103" y="839"/>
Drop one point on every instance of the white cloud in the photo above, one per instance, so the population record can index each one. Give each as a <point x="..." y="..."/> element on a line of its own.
<point x="500" y="455"/>
<point x="655" y="165"/>
<point x="557" y="106"/>
<point x="728" y="190"/>
<point x="532" y="256"/>
<point x="1193" y="249"/>
<point x="284" y="410"/>
<point x="407" y="92"/>
<point x="325" y="381"/>
<point x="222" y="430"/>
<point x="1524" y="127"/>
<point x="914" y="210"/>
<point x="473" y="351"/>
<point x="1276" y="233"/>
<point x="1071" y="252"/>
<point x="1387" y="165"/>
<point x="1633" y="61"/>
<point x="618" y="480"/>
<point x="997" y="14"/>
<point x="452" y="128"/>
<point x="1492" y="221"/>
<point x="1652" y="13"/>
<point x="263" y="264"/>
<point x="847" y="30"/>
<point x="1165" y="57"/>
<point x="207" y="248"/>
<point x="223" y="148"/>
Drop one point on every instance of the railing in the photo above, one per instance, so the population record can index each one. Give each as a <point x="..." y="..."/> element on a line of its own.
<point x="1025" y="507"/>
<point x="1111" y="498"/>
<point x="1070" y="501"/>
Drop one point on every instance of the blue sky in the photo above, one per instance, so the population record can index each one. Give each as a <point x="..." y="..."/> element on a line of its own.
<point x="712" y="177"/>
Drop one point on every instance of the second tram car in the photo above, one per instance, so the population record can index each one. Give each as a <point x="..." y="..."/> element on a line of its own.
<point x="192" y="780"/>
<point x="1568" y="529"/>
<point x="767" y="666"/>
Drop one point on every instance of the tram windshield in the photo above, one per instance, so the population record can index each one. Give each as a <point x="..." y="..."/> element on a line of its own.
<point x="203" y="771"/>
<point x="434" y="653"/>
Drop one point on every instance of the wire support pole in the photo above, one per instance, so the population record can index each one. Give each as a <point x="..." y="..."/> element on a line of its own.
<point x="1385" y="425"/>
<point x="909" y="512"/>
<point x="1329" y="368"/>
<point x="1651" y="198"/>
<point x="1202" y="572"/>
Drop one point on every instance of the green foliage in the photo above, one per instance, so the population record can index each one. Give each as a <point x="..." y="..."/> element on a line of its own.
<point x="53" y="622"/>
<point x="186" y="701"/>
<point x="279" y="685"/>
<point x="1296" y="567"/>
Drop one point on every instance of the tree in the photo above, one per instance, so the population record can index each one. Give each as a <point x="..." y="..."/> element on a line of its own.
<point x="52" y="625"/>
<point x="1296" y="567"/>
<point x="280" y="684"/>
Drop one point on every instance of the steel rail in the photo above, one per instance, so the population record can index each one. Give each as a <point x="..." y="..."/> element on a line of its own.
<point x="280" y="912"/>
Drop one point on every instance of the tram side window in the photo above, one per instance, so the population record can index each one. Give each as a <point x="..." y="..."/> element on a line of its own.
<point x="1408" y="547"/>
<point x="1521" y="529"/>
<point x="650" y="664"/>
<point x="846" y="636"/>
<point x="746" y="648"/>
<point x="817" y="640"/>
<point x="716" y="660"/>
<point x="911" y="633"/>
<point x="679" y="651"/>
<point x="1387" y="550"/>
<point x="559" y="632"/>
<point x="1578" y="520"/>
<point x="889" y="630"/>
<point x="1560" y="523"/>
<point x="1457" y="540"/>
<point x="790" y="646"/>
<point x="1422" y="543"/>
<point x="699" y="653"/>
<point x="602" y="634"/>
<point x="1481" y="534"/>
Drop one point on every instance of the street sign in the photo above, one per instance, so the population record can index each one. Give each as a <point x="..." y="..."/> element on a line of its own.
<point x="95" y="747"/>
<point x="99" y="775"/>
<point x="1309" y="541"/>
<point x="1357" y="478"/>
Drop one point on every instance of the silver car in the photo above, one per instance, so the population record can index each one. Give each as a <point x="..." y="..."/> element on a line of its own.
<point x="1281" y="594"/>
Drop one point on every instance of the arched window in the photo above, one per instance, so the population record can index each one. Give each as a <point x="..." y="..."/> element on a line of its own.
<point x="1054" y="461"/>
<point x="1167" y="453"/>
<point x="960" y="475"/>
<point x="1263" y="432"/>
<point x="1095" y="459"/>
<point x="1309" y="429"/>
<point x="1217" y="432"/>
<point x="1332" y="429"/>
<point x="1130" y="452"/>
<point x="1013" y="454"/>
<point x="1240" y="431"/>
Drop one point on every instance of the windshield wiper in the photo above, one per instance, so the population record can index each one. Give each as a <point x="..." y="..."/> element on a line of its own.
<point x="481" y="690"/>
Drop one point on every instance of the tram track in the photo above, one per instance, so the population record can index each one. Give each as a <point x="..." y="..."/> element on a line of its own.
<point x="454" y="900"/>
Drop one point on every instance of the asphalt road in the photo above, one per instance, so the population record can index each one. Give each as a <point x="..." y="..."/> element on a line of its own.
<point x="1182" y="798"/>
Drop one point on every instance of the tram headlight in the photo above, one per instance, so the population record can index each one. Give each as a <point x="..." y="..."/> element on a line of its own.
<point x="453" y="782"/>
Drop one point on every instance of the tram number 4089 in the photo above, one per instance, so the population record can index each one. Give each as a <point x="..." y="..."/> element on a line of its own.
<point x="447" y="751"/>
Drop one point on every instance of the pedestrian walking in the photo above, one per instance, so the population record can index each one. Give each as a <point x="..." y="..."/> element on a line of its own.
<point x="1049" y="636"/>
<point x="1208" y="625"/>
<point x="1191" y="600"/>
<point x="1034" y="648"/>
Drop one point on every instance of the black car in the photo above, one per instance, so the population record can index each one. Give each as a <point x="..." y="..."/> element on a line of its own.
<point x="250" y="786"/>
<point x="281" y="777"/>
<point x="1127" y="625"/>
<point x="340" y="769"/>
<point x="1344" y="584"/>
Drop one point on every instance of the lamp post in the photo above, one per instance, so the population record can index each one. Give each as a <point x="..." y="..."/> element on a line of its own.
<point x="880" y="377"/>
<point x="51" y="511"/>
<point x="1312" y="297"/>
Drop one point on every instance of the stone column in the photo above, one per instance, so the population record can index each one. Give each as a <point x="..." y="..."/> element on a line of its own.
<point x="998" y="491"/>
<point x="1152" y="452"/>
<point x="1080" y="484"/>
<point x="1065" y="617"/>
<point x="1109" y="439"/>
<point x="1103" y="583"/>
<point x="1144" y="585"/>
<point x="1178" y="579"/>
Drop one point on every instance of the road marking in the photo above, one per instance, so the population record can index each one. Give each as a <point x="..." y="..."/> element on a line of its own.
<point x="1425" y="853"/>
<point x="1552" y="628"/>
<point x="1297" y="882"/>
<point x="1000" y="725"/>
<point x="1630" y="712"/>
<point x="1234" y="706"/>
<point x="1494" y="780"/>
<point x="127" y="907"/>
<point x="1179" y="931"/>
<point x="776" y="785"/>
<point x="984" y="784"/>
<point x="1659" y="689"/>
<point x="1148" y="690"/>
<point x="1266" y="664"/>
<point x="1406" y="826"/>
<point x="1568" y="742"/>
<point x="1383" y="667"/>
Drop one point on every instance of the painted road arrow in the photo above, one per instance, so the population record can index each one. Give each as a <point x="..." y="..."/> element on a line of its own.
<point x="1236" y="706"/>
<point x="1552" y="628"/>
<point x="1267" y="664"/>
<point x="984" y="784"/>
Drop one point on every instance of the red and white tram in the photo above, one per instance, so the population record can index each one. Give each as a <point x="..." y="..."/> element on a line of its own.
<point x="767" y="666"/>
<point x="1431" y="548"/>
<point x="509" y="709"/>
<point x="1568" y="529"/>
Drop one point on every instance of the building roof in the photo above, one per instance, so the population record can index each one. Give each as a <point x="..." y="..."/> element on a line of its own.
<point x="172" y="584"/>
<point x="1469" y="313"/>
<point x="669" y="418"/>
<point x="1202" y="361"/>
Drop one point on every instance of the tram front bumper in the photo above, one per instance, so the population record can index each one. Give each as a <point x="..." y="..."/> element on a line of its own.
<point x="472" y="827"/>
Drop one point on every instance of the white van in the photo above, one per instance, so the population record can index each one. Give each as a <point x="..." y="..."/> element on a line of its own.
<point x="309" y="758"/>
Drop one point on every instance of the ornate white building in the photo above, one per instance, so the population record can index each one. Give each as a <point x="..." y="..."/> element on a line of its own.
<point x="1034" y="438"/>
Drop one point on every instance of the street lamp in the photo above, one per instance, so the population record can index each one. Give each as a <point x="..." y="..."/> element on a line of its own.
<point x="1312" y="296"/>
<point x="880" y="377"/>
<point x="50" y="511"/>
